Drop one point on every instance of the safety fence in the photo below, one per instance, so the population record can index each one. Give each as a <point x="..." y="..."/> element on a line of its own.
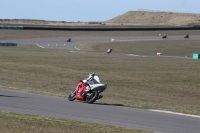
<point x="111" y="29"/>
<point x="100" y="28"/>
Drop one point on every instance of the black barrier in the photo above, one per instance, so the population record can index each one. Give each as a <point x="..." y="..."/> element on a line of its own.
<point x="7" y="44"/>
<point x="110" y="29"/>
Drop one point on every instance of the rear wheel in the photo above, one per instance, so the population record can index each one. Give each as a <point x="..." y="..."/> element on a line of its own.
<point x="92" y="97"/>
<point x="72" y="96"/>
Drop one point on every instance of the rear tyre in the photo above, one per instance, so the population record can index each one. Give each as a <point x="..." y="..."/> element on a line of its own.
<point x="92" y="97"/>
<point x="72" y="96"/>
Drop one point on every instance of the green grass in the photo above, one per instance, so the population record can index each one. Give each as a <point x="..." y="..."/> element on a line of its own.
<point x="21" y="123"/>
<point x="151" y="48"/>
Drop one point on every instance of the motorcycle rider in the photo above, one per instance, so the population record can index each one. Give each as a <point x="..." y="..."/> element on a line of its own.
<point x="92" y="77"/>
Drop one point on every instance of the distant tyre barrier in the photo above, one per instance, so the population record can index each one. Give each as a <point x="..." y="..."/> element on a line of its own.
<point x="7" y="44"/>
<point x="110" y="28"/>
<point x="11" y="27"/>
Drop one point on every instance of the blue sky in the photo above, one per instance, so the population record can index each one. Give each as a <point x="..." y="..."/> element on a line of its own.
<point x="87" y="10"/>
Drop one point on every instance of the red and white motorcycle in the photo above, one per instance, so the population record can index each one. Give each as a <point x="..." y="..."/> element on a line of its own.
<point x="88" y="90"/>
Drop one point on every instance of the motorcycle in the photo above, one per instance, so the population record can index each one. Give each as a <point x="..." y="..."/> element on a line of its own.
<point x="80" y="93"/>
<point x="69" y="40"/>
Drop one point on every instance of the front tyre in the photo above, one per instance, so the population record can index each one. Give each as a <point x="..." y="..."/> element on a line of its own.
<point x="72" y="96"/>
<point x="92" y="97"/>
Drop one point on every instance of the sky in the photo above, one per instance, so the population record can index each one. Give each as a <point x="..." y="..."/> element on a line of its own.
<point x="88" y="10"/>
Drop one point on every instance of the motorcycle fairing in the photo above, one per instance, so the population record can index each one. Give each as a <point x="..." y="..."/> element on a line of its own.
<point x="79" y="89"/>
<point x="99" y="87"/>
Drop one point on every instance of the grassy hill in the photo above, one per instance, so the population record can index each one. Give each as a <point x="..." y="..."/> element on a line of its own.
<point x="156" y="18"/>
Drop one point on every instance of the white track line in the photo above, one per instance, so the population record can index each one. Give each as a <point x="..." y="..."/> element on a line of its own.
<point x="160" y="56"/>
<point x="170" y="112"/>
<point x="39" y="46"/>
<point x="140" y="40"/>
<point x="144" y="55"/>
<point x="132" y="55"/>
<point x="77" y="48"/>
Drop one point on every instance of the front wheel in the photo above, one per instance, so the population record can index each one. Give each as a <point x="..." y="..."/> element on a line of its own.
<point x="72" y="96"/>
<point x="92" y="97"/>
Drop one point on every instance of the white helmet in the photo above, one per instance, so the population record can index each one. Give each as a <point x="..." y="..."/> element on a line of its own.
<point x="91" y="74"/>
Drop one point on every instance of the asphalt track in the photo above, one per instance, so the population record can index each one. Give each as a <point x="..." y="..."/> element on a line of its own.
<point x="75" y="41"/>
<point x="16" y="101"/>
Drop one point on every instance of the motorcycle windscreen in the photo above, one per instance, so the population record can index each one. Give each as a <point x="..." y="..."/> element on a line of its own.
<point x="97" y="79"/>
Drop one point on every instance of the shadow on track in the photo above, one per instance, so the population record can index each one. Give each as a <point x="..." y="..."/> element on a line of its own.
<point x="101" y="103"/>
<point x="109" y="104"/>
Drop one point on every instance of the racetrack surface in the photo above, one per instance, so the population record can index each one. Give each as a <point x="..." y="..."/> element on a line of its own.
<point x="75" y="41"/>
<point x="15" y="101"/>
<point x="23" y="102"/>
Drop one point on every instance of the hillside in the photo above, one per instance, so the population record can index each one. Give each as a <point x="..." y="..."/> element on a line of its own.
<point x="156" y="18"/>
<point x="129" y="19"/>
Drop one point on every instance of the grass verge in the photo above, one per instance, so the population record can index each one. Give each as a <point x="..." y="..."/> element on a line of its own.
<point x="150" y="48"/>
